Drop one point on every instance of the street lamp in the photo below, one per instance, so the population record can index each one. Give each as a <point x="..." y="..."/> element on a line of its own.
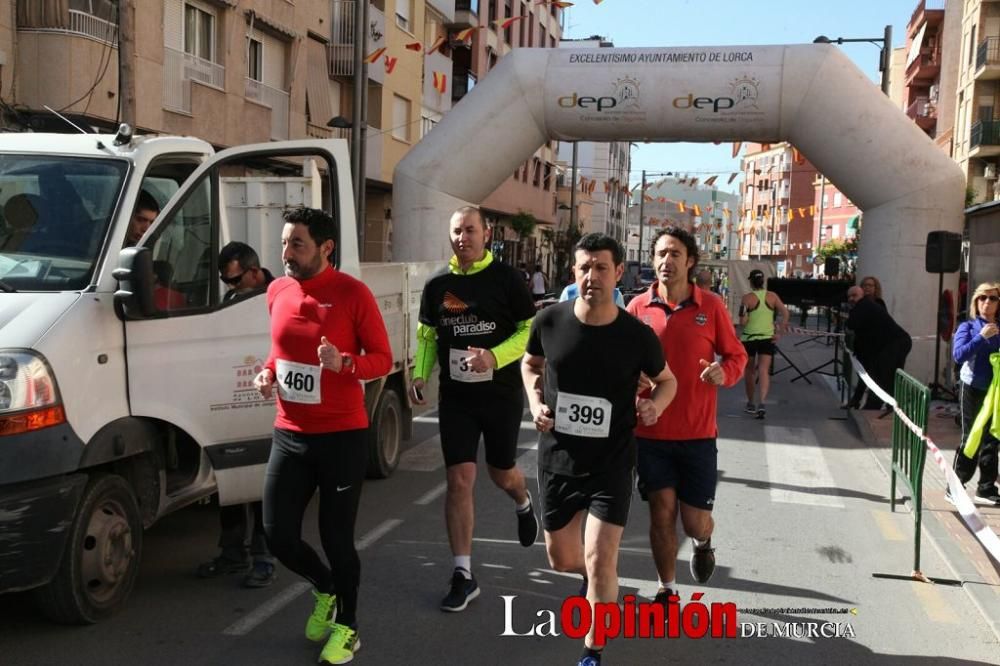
<point x="885" y="57"/>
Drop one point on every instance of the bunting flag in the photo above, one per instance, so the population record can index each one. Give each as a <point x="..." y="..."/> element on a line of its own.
<point x="732" y="177"/>
<point x="597" y="2"/>
<point x="802" y="212"/>
<point x="464" y="35"/>
<point x="414" y="46"/>
<point x="390" y="64"/>
<point x="438" y="43"/>
<point x="737" y="145"/>
<point x="607" y="186"/>
<point x="797" y="157"/>
<point x="711" y="181"/>
<point x="812" y="210"/>
<point x="555" y="3"/>
<point x="373" y="57"/>
<point x="725" y="212"/>
<point x="506" y="23"/>
<point x="440" y="82"/>
<point x="647" y="198"/>
<point x="680" y="206"/>
<point x="694" y="181"/>
<point x="591" y="186"/>
<point x="697" y="211"/>
<point x="791" y="215"/>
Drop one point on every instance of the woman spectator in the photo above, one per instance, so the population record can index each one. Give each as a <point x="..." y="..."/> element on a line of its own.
<point x="974" y="341"/>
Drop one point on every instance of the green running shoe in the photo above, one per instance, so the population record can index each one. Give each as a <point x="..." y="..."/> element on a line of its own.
<point x="323" y="615"/>
<point x="341" y="645"/>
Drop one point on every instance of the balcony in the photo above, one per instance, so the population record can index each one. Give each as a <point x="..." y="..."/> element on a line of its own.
<point x="925" y="67"/>
<point x="179" y="70"/>
<point x="923" y="112"/>
<point x="432" y="98"/>
<point x="446" y="8"/>
<point x="988" y="59"/>
<point x="276" y="100"/>
<point x="984" y="138"/>
<point x="78" y="23"/>
<point x="341" y="48"/>
<point x="466" y="14"/>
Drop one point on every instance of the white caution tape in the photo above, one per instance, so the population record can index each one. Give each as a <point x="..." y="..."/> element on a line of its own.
<point x="823" y="334"/>
<point x="970" y="514"/>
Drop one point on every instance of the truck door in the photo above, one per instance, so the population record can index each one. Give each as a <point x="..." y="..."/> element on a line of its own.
<point x="192" y="364"/>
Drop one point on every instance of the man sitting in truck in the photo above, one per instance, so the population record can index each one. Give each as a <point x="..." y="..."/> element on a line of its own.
<point x="239" y="538"/>
<point x="146" y="210"/>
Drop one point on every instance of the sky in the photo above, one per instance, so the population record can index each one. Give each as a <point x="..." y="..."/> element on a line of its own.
<point x="730" y="23"/>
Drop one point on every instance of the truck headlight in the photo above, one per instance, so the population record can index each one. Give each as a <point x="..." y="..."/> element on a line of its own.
<point x="29" y="398"/>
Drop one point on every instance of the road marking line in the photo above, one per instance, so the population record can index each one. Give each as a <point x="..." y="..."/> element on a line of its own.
<point x="890" y="532"/>
<point x="795" y="469"/>
<point x="245" y="625"/>
<point x="433" y="494"/>
<point x="935" y="605"/>
<point x="424" y="457"/>
<point x="380" y="531"/>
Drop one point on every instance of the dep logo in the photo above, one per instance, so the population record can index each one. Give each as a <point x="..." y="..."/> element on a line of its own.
<point x="625" y="95"/>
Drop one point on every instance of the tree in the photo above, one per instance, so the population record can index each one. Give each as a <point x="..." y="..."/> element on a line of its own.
<point x="523" y="224"/>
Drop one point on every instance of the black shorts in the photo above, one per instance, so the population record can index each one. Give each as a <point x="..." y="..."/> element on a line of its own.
<point x="764" y="347"/>
<point x="497" y="421"/>
<point x="607" y="496"/>
<point x="689" y="466"/>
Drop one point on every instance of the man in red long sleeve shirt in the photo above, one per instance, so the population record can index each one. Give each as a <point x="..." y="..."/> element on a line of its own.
<point x="321" y="322"/>
<point x="677" y="456"/>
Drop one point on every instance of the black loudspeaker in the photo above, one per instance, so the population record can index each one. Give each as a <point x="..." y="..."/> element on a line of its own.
<point x="810" y="292"/>
<point x="944" y="252"/>
<point x="832" y="266"/>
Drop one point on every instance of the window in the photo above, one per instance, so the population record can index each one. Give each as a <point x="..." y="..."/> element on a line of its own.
<point x="838" y="199"/>
<point x="255" y="60"/>
<point x="972" y="43"/>
<point x="404" y="10"/>
<point x="493" y="11"/>
<point x="536" y="172"/>
<point x="401" y="118"/>
<point x="508" y="12"/>
<point x="199" y="32"/>
<point x="182" y="254"/>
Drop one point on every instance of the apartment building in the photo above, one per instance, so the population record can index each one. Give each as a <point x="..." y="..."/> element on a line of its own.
<point x="922" y="74"/>
<point x="777" y="214"/>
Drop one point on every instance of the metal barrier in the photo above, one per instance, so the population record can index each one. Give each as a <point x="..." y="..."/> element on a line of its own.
<point x="909" y="450"/>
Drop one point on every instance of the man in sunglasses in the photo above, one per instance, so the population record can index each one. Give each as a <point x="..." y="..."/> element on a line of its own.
<point x="241" y="535"/>
<point x="878" y="341"/>
<point x="239" y="269"/>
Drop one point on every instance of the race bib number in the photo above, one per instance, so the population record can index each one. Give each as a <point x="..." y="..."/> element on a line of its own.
<point x="582" y="415"/>
<point x="298" y="382"/>
<point x="459" y="370"/>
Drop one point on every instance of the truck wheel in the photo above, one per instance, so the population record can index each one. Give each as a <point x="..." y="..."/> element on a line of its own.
<point x="101" y="557"/>
<point x="384" y="435"/>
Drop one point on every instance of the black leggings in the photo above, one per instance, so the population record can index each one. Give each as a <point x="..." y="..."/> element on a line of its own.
<point x="335" y="464"/>
<point x="971" y="401"/>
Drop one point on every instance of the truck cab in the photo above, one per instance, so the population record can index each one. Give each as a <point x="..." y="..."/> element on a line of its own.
<point x="125" y="375"/>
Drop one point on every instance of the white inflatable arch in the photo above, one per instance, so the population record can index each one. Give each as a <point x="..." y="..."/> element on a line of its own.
<point x="810" y="95"/>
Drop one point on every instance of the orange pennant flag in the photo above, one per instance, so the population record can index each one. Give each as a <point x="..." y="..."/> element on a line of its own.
<point x="697" y="211"/>
<point x="555" y="3"/>
<point x="791" y="215"/>
<point x="732" y="177"/>
<point x="694" y="181"/>
<point x="440" y="82"/>
<point x="414" y="46"/>
<point x="802" y="212"/>
<point x="812" y="210"/>
<point x="711" y="181"/>
<point x="390" y="64"/>
<point x="438" y="43"/>
<point x="374" y="56"/>
<point x="506" y="23"/>
<point x="467" y="33"/>
<point x="797" y="157"/>
<point x="736" y="147"/>
<point x="680" y="206"/>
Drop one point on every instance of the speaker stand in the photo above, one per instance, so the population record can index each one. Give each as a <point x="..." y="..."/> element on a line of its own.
<point x="938" y="390"/>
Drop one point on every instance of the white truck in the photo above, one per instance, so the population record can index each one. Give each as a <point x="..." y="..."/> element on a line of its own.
<point x="119" y="405"/>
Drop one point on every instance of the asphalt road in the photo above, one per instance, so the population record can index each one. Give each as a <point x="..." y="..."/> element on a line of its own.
<point x="803" y="523"/>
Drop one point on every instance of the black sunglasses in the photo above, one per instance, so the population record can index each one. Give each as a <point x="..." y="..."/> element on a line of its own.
<point x="235" y="279"/>
<point x="984" y="297"/>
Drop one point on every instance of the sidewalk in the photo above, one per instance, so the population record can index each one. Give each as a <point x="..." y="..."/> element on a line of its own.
<point x="943" y="528"/>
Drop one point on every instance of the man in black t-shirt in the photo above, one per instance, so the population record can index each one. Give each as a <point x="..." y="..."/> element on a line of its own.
<point x="474" y="321"/>
<point x="581" y="370"/>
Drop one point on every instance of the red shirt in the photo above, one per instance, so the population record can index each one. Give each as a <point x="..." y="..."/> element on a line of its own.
<point x="341" y="308"/>
<point x="698" y="329"/>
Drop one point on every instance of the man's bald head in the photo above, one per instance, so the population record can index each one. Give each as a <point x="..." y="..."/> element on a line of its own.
<point x="855" y="294"/>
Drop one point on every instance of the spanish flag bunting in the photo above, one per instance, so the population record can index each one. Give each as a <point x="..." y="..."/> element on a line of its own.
<point x="440" y="82"/>
<point x="556" y="3"/>
<point x="680" y="206"/>
<point x="597" y="2"/>
<point x="374" y="56"/>
<point x="737" y="145"/>
<point x="791" y="215"/>
<point x="812" y="210"/>
<point x="438" y="43"/>
<point x="797" y="157"/>
<point x="390" y="64"/>
<point x="802" y="212"/>
<point x="694" y="181"/>
<point x="697" y="211"/>
<point x="506" y="23"/>
<point x="414" y="46"/>
<point x="711" y="181"/>
<point x="467" y="33"/>
<point x="732" y="177"/>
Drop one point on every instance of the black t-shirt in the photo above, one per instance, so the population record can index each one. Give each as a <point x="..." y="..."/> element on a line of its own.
<point x="479" y="309"/>
<point x="591" y="366"/>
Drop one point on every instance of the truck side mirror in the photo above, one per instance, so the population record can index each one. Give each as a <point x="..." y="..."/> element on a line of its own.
<point x="134" y="297"/>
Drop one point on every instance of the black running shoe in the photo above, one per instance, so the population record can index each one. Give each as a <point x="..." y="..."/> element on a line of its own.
<point x="989" y="497"/>
<point x="527" y="525"/>
<point x="761" y="412"/>
<point x="663" y="599"/>
<point x="463" y="590"/>
<point x="750" y="408"/>
<point x="703" y="562"/>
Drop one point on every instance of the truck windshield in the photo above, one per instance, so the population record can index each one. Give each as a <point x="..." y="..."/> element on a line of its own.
<point x="54" y="215"/>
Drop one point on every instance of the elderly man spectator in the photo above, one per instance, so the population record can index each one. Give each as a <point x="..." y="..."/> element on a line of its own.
<point x="879" y="342"/>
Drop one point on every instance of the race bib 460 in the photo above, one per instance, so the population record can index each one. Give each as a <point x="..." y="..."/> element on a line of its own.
<point x="298" y="382"/>
<point x="583" y="415"/>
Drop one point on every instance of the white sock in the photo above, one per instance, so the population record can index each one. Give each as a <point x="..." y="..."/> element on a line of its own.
<point x="464" y="563"/>
<point x="522" y="508"/>
<point x="699" y="542"/>
<point x="669" y="585"/>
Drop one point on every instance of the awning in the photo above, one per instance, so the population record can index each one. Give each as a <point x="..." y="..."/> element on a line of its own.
<point x="317" y="83"/>
<point x="270" y="25"/>
<point x="854" y="222"/>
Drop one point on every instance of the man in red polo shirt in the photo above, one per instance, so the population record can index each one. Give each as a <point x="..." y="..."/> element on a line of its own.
<point x="677" y="456"/>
